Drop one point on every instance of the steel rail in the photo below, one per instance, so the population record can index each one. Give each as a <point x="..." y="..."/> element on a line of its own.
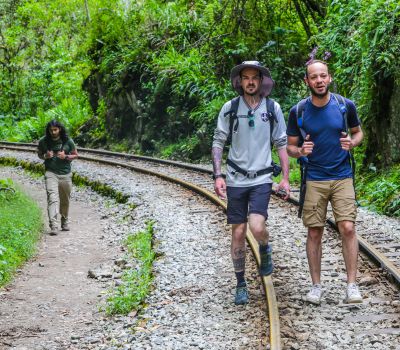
<point x="124" y="155"/>
<point x="365" y="246"/>
<point x="273" y="312"/>
<point x="374" y="254"/>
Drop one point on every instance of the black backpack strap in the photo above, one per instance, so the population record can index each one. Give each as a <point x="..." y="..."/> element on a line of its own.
<point x="303" y="161"/>
<point x="300" y="117"/>
<point x="344" y="110"/>
<point x="271" y="116"/>
<point x="341" y="102"/>
<point x="272" y="120"/>
<point x="248" y="174"/>
<point x="232" y="114"/>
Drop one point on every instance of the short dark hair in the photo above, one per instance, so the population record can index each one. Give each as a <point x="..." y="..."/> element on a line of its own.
<point x="57" y="124"/>
<point x="309" y="63"/>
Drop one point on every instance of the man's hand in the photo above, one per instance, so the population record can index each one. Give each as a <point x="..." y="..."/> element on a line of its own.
<point x="48" y="155"/>
<point x="283" y="189"/>
<point x="307" y="147"/>
<point x="220" y="187"/>
<point x="61" y="154"/>
<point x="346" y="142"/>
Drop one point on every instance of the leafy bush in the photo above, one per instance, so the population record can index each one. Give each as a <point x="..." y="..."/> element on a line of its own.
<point x="380" y="191"/>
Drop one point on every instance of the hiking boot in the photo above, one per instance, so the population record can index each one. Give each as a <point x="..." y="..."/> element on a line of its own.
<point x="65" y="226"/>
<point x="53" y="231"/>
<point x="266" y="265"/>
<point x="242" y="295"/>
<point x="314" y="295"/>
<point x="353" y="294"/>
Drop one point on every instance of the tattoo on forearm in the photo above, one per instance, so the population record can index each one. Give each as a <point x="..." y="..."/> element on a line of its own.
<point x="217" y="159"/>
<point x="239" y="259"/>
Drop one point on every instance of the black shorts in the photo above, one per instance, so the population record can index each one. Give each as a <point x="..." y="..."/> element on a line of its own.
<point x="243" y="201"/>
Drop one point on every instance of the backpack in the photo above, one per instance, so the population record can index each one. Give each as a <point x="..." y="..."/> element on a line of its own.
<point x="234" y="120"/>
<point x="233" y="126"/>
<point x="303" y="161"/>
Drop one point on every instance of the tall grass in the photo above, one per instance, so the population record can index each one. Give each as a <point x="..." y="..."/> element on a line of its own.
<point x="21" y="223"/>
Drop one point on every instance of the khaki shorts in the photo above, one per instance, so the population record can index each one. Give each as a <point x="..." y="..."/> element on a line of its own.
<point x="341" y="195"/>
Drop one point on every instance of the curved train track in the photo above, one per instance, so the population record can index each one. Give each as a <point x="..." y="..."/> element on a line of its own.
<point x="378" y="246"/>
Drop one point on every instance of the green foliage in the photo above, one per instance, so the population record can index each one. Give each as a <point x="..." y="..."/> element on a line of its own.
<point x="136" y="283"/>
<point x="380" y="191"/>
<point x="363" y="37"/>
<point x="177" y="57"/>
<point x="20" y="227"/>
<point x="7" y="190"/>
<point x="42" y="67"/>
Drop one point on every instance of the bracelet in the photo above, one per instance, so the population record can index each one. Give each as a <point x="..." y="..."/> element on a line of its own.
<point x="217" y="176"/>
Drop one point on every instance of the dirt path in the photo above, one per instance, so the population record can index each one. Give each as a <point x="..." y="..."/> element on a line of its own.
<point x="52" y="299"/>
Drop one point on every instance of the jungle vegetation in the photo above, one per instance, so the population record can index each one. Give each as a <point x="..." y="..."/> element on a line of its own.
<point x="149" y="76"/>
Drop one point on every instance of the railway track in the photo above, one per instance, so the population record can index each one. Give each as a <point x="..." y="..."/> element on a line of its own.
<point x="382" y="247"/>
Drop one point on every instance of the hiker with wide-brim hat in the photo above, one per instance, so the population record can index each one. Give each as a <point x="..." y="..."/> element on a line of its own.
<point x="250" y="123"/>
<point x="267" y="83"/>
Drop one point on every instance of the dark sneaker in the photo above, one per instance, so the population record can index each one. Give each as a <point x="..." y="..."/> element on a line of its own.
<point x="242" y="295"/>
<point x="65" y="227"/>
<point x="64" y="224"/>
<point x="53" y="231"/>
<point x="266" y="265"/>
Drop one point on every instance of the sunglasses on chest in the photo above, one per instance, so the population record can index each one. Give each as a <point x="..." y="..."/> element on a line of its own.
<point x="250" y="117"/>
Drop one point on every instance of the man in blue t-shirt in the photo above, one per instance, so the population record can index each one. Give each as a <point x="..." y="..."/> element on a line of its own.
<point x="329" y="174"/>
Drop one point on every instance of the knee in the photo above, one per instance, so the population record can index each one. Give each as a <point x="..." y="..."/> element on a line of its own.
<point x="315" y="234"/>
<point x="347" y="229"/>
<point x="239" y="232"/>
<point x="258" y="230"/>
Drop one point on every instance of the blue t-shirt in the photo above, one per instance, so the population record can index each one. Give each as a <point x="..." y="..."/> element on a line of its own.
<point x="328" y="161"/>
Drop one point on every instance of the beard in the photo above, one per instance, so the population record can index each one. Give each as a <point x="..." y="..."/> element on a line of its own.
<point x="318" y="94"/>
<point x="251" y="93"/>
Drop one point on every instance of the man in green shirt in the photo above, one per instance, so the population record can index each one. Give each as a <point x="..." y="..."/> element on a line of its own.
<point x="58" y="151"/>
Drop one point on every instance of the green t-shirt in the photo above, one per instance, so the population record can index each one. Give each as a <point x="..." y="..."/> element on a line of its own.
<point x="55" y="164"/>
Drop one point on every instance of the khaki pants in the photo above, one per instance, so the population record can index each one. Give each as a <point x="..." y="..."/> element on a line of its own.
<point x="58" y="188"/>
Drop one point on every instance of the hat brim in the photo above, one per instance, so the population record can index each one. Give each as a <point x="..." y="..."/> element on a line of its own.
<point x="267" y="83"/>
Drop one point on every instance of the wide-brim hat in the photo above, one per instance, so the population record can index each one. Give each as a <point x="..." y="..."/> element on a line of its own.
<point x="267" y="83"/>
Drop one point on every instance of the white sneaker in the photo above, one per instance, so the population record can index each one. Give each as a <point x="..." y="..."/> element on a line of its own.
<point x="314" y="295"/>
<point x="353" y="294"/>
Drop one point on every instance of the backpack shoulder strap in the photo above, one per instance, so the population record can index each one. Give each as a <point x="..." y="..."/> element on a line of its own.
<point x="271" y="115"/>
<point x="341" y="102"/>
<point x="300" y="116"/>
<point x="232" y="114"/>
<point x="344" y="109"/>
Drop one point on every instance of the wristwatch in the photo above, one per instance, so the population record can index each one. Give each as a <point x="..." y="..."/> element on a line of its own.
<point x="217" y="176"/>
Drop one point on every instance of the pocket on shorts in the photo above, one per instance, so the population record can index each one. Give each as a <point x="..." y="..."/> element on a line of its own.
<point x="310" y="215"/>
<point x="345" y="209"/>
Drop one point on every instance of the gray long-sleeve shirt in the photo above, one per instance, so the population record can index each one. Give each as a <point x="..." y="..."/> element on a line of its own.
<point x="251" y="147"/>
